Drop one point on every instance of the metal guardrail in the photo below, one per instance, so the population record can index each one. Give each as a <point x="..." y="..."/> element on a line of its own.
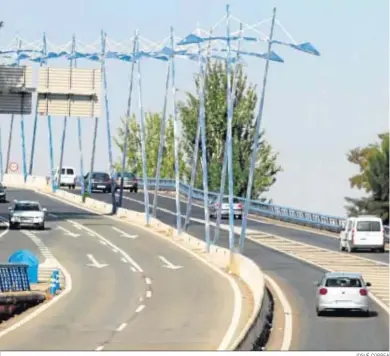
<point x="277" y="212"/>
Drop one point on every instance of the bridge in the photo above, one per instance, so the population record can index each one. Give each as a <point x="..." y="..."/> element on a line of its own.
<point x="141" y="271"/>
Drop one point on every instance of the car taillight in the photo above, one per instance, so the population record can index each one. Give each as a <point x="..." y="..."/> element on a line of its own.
<point x="353" y="236"/>
<point x="217" y="204"/>
<point x="363" y="292"/>
<point x="239" y="206"/>
<point x="108" y="181"/>
<point x="323" y="291"/>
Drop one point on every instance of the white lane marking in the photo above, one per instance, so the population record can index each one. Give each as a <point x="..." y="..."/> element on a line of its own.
<point x="168" y="264"/>
<point x="140" y="308"/>
<point x="114" y="250"/>
<point x="113" y="246"/>
<point x="141" y="299"/>
<point x="123" y="260"/>
<point x="102" y="242"/>
<point x="67" y="232"/>
<point x="53" y="215"/>
<point x="288" y="319"/>
<point x="124" y="234"/>
<point x="133" y="269"/>
<point x="149" y="294"/>
<point x="95" y="263"/>
<point x="91" y="233"/>
<point x="100" y="348"/>
<point x="47" y="305"/>
<point x="148" y="280"/>
<point x="7" y="229"/>
<point x="236" y="316"/>
<point x="121" y="327"/>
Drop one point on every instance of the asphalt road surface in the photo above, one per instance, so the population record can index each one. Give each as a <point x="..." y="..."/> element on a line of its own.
<point x="311" y="333"/>
<point x="134" y="302"/>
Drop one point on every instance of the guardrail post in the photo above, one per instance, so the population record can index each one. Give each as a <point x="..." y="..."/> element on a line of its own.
<point x="57" y="280"/>
<point x="53" y="285"/>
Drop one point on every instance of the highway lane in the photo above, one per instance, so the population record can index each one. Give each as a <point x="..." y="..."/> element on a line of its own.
<point x="307" y="237"/>
<point x="162" y="309"/>
<point x="330" y="333"/>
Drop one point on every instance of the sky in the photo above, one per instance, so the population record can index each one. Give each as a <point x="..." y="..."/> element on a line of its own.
<point x="316" y="108"/>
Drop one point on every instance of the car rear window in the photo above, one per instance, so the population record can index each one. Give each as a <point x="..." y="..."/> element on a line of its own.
<point x="26" y="207"/>
<point x="126" y="175"/>
<point x="226" y="200"/>
<point x="343" y="282"/>
<point x="373" y="226"/>
<point x="104" y="176"/>
<point x="70" y="171"/>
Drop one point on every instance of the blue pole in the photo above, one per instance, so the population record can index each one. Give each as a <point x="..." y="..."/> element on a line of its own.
<point x="162" y="141"/>
<point x="1" y="156"/>
<point x="256" y="142"/>
<point x="143" y="148"/>
<point x="93" y="154"/>
<point x="65" y="117"/>
<point x="201" y="92"/>
<point x="229" y="134"/>
<point x="176" y="136"/>
<point x="127" y="129"/>
<point x="204" y="154"/>
<point x="51" y="151"/>
<point x="24" y="161"/>
<point x="44" y="50"/>
<point x="81" y="155"/>
<point x="11" y="127"/>
<point x="108" y="128"/>
<point x="224" y="166"/>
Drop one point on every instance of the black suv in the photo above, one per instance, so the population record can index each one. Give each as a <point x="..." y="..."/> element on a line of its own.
<point x="99" y="181"/>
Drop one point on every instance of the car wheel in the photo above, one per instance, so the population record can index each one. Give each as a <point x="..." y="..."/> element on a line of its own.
<point x="382" y="250"/>
<point x="41" y="227"/>
<point x="342" y="248"/>
<point x="318" y="312"/>
<point x="136" y="191"/>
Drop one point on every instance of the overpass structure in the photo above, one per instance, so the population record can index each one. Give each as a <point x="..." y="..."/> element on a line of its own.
<point x="289" y="259"/>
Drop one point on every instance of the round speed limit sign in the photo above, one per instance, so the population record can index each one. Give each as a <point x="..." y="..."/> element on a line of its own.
<point x="13" y="167"/>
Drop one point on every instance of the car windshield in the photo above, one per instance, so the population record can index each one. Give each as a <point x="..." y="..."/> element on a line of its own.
<point x="344" y="282"/>
<point x="69" y="171"/>
<point x="368" y="226"/>
<point x="102" y="176"/>
<point x="226" y="200"/>
<point x="26" y="207"/>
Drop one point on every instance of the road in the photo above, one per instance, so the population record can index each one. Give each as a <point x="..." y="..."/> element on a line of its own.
<point x="134" y="302"/>
<point x="331" y="333"/>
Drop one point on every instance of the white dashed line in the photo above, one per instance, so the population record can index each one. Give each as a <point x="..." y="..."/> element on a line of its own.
<point x="133" y="269"/>
<point x="100" y="348"/>
<point x="91" y="234"/>
<point x="149" y="294"/>
<point x="140" y="308"/>
<point x="121" y="327"/>
<point x="123" y="260"/>
<point x="102" y="242"/>
<point x="114" y="250"/>
<point x="141" y="299"/>
<point x="148" y="280"/>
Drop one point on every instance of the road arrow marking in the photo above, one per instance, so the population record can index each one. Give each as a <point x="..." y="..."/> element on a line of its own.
<point x="67" y="232"/>
<point x="168" y="264"/>
<point x="95" y="263"/>
<point x="124" y="234"/>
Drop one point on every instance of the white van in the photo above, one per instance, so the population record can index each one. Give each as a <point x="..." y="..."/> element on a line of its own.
<point x="363" y="232"/>
<point x="68" y="177"/>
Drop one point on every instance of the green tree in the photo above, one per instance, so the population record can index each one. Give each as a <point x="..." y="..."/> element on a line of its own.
<point x="373" y="162"/>
<point x="216" y="128"/>
<point x="133" y="157"/>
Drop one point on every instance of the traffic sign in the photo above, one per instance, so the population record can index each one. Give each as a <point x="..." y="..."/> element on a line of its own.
<point x="13" y="167"/>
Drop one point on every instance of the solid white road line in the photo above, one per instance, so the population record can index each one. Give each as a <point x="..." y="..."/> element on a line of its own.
<point x="121" y="327"/>
<point x="288" y="320"/>
<point x="140" y="308"/>
<point x="7" y="224"/>
<point x="100" y="348"/>
<point x="149" y="294"/>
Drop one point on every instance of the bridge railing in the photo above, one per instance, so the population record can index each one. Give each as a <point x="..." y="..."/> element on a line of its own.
<point x="256" y="207"/>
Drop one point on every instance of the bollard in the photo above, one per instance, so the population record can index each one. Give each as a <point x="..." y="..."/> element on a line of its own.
<point x="57" y="278"/>
<point x="53" y="289"/>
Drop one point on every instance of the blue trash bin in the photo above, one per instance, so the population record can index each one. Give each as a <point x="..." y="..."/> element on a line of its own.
<point x="28" y="258"/>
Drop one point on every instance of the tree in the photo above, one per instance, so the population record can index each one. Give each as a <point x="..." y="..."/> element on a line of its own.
<point x="216" y="128"/>
<point x="373" y="162"/>
<point x="134" y="158"/>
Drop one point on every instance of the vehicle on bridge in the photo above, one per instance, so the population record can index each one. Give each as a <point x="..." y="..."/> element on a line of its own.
<point x="3" y="195"/>
<point x="342" y="291"/>
<point x="214" y="207"/>
<point x="100" y="181"/>
<point x="129" y="182"/>
<point x="363" y="232"/>
<point x="68" y="177"/>
<point x="27" y="213"/>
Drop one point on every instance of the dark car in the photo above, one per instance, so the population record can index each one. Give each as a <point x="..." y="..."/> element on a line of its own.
<point x="129" y="182"/>
<point x="99" y="181"/>
<point x="3" y="195"/>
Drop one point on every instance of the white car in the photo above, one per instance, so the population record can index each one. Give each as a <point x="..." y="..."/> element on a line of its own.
<point x="27" y="213"/>
<point x="345" y="291"/>
<point x="68" y="177"/>
<point x="214" y="207"/>
<point x="363" y="232"/>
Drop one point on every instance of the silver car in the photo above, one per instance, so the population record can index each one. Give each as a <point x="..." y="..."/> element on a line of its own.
<point x="342" y="291"/>
<point x="27" y="213"/>
<point x="214" y="207"/>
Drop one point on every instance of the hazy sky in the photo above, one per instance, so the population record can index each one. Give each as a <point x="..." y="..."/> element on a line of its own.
<point x="316" y="107"/>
